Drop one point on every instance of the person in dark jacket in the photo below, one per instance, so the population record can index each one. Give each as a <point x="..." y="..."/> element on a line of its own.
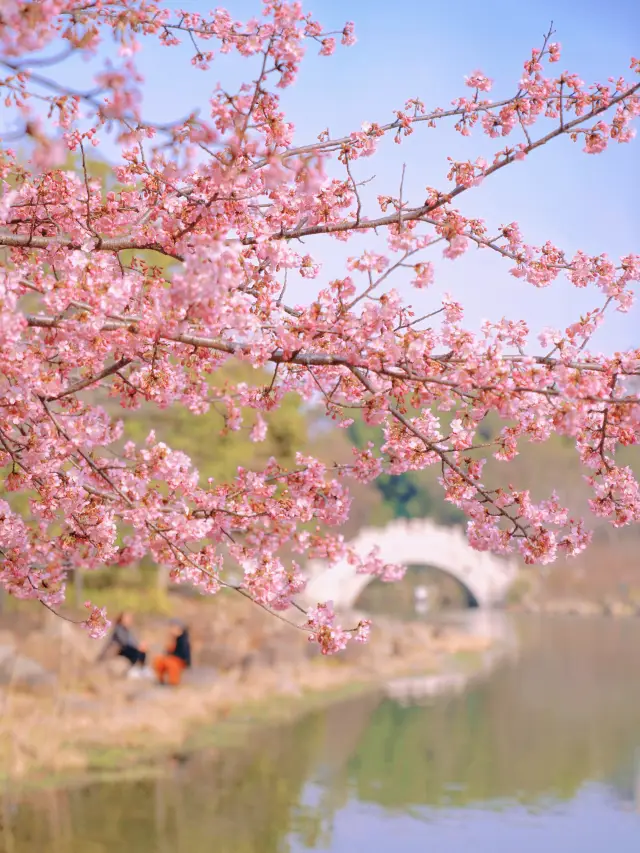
<point x="170" y="666"/>
<point x="124" y="642"/>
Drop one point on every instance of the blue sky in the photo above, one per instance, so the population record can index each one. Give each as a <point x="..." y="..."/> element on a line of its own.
<point x="410" y="48"/>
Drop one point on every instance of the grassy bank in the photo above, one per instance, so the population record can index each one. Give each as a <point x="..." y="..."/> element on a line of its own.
<point x="95" y="726"/>
<point x="112" y="762"/>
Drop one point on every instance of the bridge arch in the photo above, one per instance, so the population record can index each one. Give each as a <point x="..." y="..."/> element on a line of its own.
<point x="418" y="576"/>
<point x="485" y="576"/>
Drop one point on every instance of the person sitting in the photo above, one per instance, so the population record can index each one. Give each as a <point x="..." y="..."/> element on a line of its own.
<point x="123" y="641"/>
<point x="177" y="658"/>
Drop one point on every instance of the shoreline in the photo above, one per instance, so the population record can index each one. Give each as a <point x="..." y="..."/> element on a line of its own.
<point x="150" y="728"/>
<point x="577" y="607"/>
<point x="109" y="763"/>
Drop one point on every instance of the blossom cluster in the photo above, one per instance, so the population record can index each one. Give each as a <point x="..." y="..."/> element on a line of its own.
<point x="227" y="199"/>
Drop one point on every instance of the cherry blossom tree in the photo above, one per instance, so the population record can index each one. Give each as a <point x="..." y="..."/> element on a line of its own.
<point x="227" y="198"/>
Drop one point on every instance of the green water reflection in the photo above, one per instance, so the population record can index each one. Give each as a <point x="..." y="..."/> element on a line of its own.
<point x="567" y="713"/>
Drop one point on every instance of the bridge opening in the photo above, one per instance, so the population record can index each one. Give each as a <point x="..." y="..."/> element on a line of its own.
<point x="424" y="589"/>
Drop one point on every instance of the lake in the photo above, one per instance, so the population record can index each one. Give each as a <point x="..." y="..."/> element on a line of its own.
<point x="542" y="756"/>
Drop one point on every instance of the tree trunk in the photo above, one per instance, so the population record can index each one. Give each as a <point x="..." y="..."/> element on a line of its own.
<point x="78" y="586"/>
<point x="162" y="578"/>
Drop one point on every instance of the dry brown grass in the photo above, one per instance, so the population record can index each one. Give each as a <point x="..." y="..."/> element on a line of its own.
<point x="88" y="712"/>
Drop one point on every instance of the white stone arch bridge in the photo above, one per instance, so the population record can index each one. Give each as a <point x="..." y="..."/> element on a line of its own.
<point x="485" y="577"/>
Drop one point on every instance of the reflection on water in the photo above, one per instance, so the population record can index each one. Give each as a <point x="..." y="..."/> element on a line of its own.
<point x="545" y="752"/>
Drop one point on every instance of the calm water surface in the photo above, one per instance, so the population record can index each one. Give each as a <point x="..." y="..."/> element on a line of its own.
<point x="543" y="757"/>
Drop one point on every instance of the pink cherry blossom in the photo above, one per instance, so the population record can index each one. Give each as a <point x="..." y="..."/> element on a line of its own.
<point x="321" y="623"/>
<point x="235" y="205"/>
<point x="478" y="80"/>
<point x="96" y="623"/>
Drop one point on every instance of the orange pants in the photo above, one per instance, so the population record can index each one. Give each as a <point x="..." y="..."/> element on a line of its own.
<point x="169" y="667"/>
